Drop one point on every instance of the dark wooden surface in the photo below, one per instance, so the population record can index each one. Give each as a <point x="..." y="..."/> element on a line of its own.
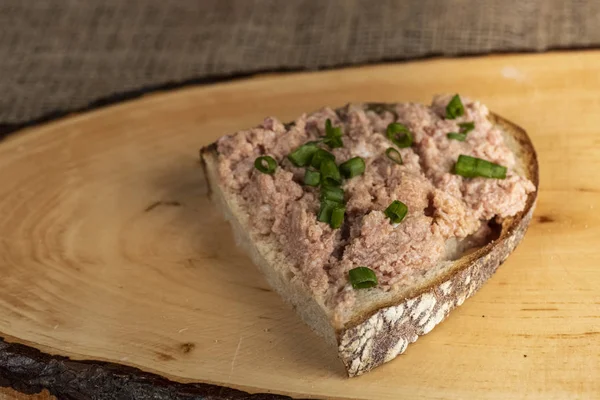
<point x="30" y="371"/>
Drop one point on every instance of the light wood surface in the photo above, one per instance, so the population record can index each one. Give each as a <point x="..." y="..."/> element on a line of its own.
<point x="10" y="394"/>
<point x="110" y="250"/>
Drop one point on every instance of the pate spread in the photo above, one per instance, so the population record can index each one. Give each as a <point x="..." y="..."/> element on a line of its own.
<point x="442" y="206"/>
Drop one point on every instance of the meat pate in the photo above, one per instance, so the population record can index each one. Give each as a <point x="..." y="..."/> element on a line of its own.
<point x="443" y="208"/>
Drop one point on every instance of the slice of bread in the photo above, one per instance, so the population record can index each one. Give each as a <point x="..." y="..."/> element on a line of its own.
<point x="382" y="324"/>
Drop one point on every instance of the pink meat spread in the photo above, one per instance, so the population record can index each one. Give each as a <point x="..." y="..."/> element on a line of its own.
<point x="442" y="206"/>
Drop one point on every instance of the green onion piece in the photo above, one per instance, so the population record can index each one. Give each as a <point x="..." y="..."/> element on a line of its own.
<point x="334" y="194"/>
<point x="362" y="278"/>
<point x="330" y="174"/>
<point x="394" y="155"/>
<point x="303" y="154"/>
<point x="396" y="211"/>
<point x="326" y="210"/>
<point x="465" y="166"/>
<point x="461" y="137"/>
<point x="466" y="127"/>
<point x="312" y="178"/>
<point x="455" y="108"/>
<point x="399" y="135"/>
<point x="330" y="131"/>
<point x="334" y="142"/>
<point x="266" y="165"/>
<point x="333" y="136"/>
<point x="353" y="167"/>
<point x="337" y="217"/>
<point x="471" y="167"/>
<point x="319" y="156"/>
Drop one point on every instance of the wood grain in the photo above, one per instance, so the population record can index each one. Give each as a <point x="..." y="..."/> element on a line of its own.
<point x="110" y="251"/>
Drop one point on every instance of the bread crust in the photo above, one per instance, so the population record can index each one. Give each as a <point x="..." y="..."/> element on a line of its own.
<point x="379" y="334"/>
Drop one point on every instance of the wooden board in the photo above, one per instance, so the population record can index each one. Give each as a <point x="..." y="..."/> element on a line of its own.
<point x="110" y="250"/>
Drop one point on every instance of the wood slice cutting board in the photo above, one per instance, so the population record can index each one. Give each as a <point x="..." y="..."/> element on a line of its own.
<point x="111" y="252"/>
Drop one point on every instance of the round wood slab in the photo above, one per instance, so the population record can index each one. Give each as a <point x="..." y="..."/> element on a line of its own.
<point x="119" y="279"/>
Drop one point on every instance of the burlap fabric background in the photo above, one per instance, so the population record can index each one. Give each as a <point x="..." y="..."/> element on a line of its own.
<point x="60" y="55"/>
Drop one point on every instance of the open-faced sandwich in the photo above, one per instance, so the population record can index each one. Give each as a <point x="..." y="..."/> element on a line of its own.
<point x="376" y="220"/>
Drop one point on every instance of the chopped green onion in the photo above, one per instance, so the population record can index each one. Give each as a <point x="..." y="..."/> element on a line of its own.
<point x="303" y="154"/>
<point x="337" y="217"/>
<point x="266" y="165"/>
<point x="396" y="211"/>
<point x="466" y="127"/>
<point x="319" y="156"/>
<point x="330" y="131"/>
<point x="335" y="194"/>
<point x="334" y="142"/>
<point x="353" y="167"/>
<point x="326" y="210"/>
<point x="330" y="174"/>
<point x="455" y="108"/>
<point x="362" y="278"/>
<point x="470" y="167"/>
<point x="312" y="178"/>
<point x="461" y="137"/>
<point x="399" y="135"/>
<point x="332" y="213"/>
<point x="333" y="136"/>
<point x="394" y="155"/>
